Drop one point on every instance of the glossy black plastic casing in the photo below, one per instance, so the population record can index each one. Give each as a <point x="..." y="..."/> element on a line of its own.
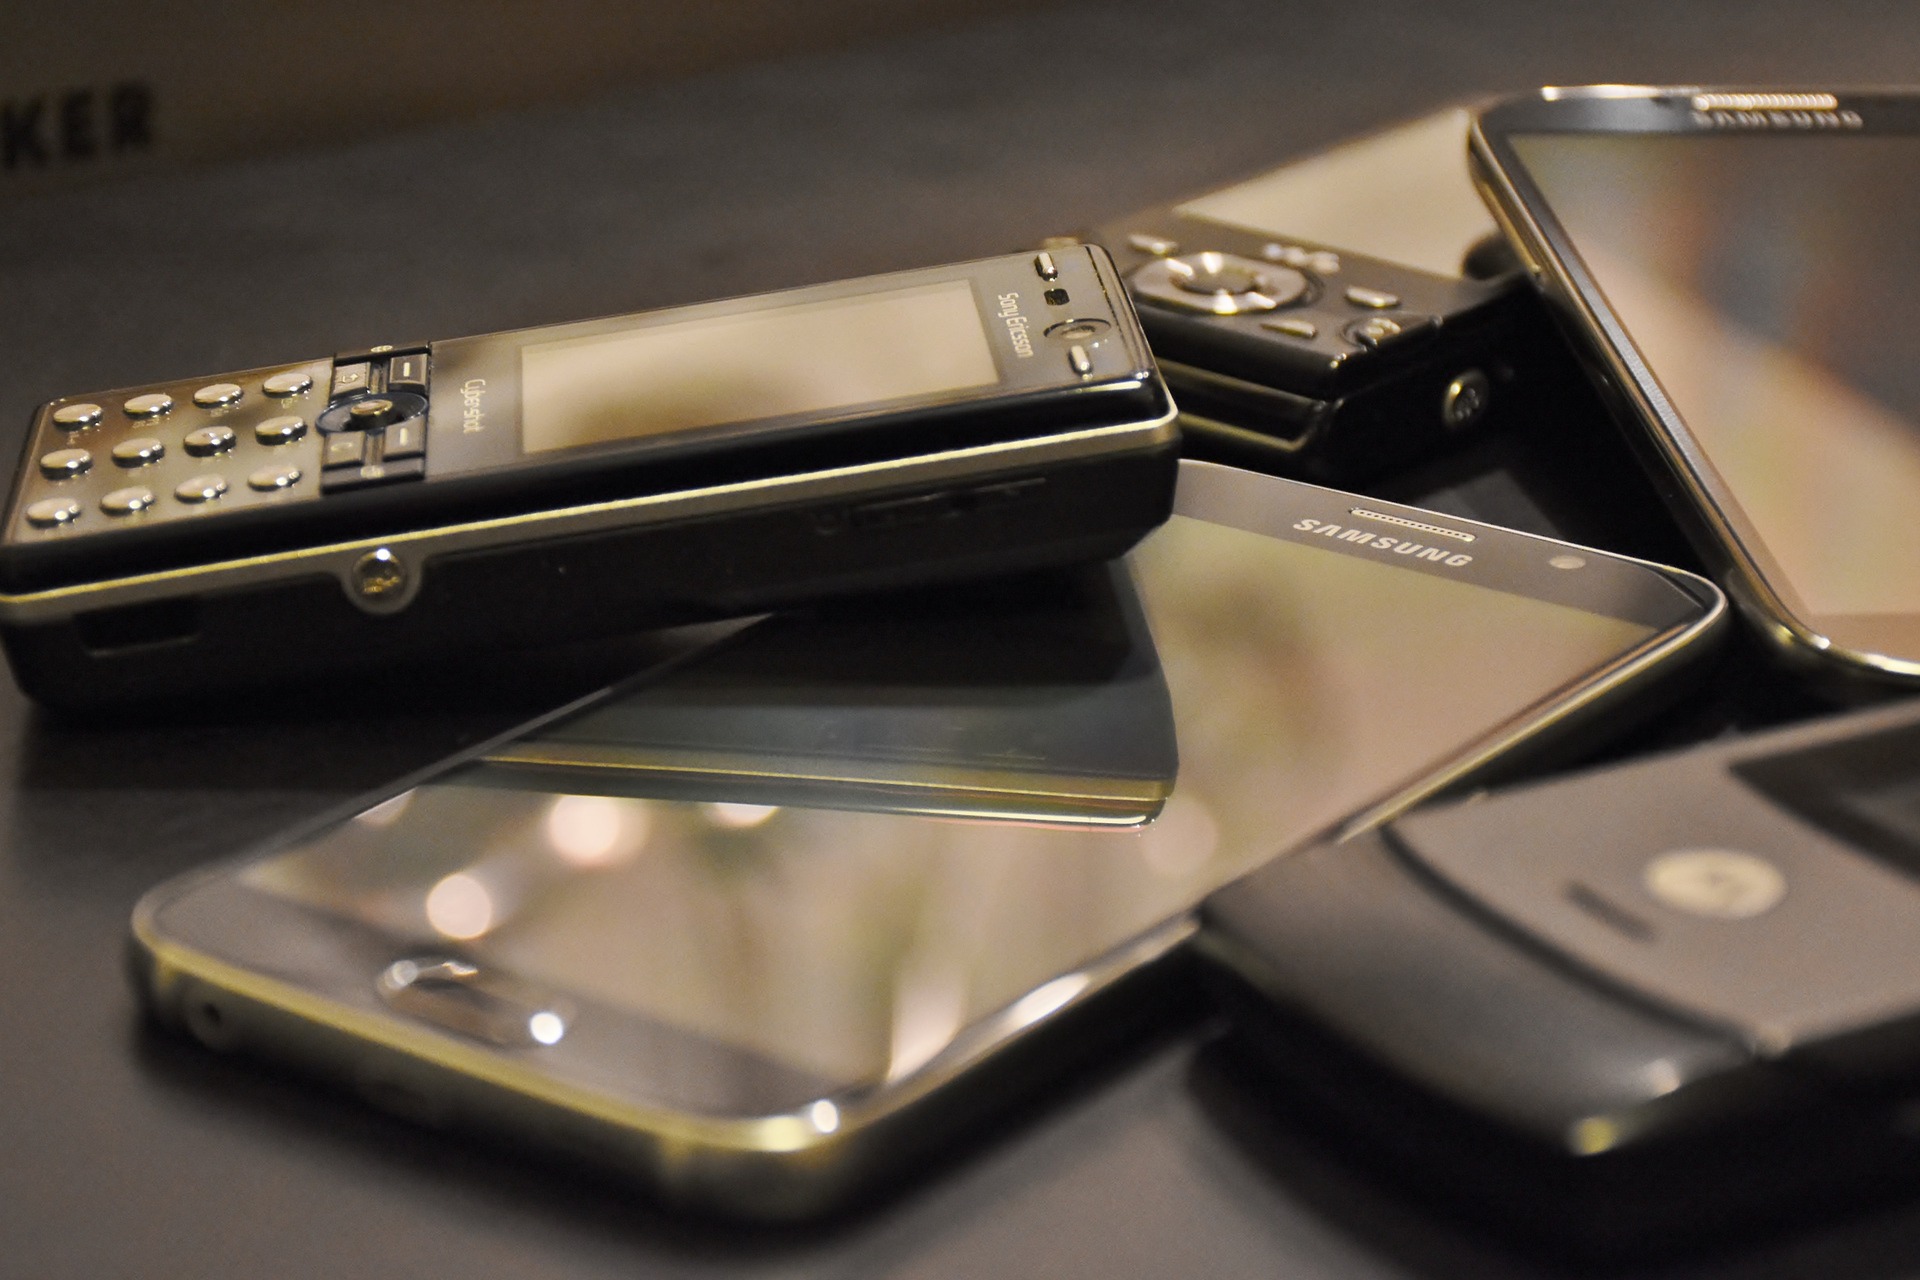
<point x="1330" y="408"/>
<point x="1500" y="992"/>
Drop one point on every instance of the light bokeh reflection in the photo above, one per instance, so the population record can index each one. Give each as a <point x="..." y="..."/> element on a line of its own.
<point x="739" y="817"/>
<point x="387" y="812"/>
<point x="597" y="831"/>
<point x="1043" y="1000"/>
<point x="929" y="1008"/>
<point x="1183" y="840"/>
<point x="459" y="906"/>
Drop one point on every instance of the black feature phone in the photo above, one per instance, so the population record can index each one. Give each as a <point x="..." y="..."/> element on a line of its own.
<point x="1672" y="991"/>
<point x="385" y="504"/>
<point x="1339" y="315"/>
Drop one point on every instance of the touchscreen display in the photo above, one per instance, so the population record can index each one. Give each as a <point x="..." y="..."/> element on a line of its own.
<point x="745" y="366"/>
<point x="1290" y="684"/>
<point x="1764" y="281"/>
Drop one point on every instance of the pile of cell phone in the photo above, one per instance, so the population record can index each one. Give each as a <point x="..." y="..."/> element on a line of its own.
<point x="1678" y="997"/>
<point x="766" y="925"/>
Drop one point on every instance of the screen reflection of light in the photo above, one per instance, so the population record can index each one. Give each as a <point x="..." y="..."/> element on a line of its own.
<point x="825" y="1116"/>
<point x="596" y="831"/>
<point x="387" y="812"/>
<point x="460" y="906"/>
<point x="1182" y="839"/>
<point x="546" y="1027"/>
<point x="739" y="816"/>
<point x="929" y="1007"/>
<point x="1041" y="1001"/>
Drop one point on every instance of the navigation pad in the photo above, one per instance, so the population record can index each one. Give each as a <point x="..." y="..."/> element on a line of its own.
<point x="375" y="422"/>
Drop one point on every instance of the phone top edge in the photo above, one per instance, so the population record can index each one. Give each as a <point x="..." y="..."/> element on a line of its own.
<point x="1689" y="623"/>
<point x="1691" y="594"/>
<point x="1704" y="108"/>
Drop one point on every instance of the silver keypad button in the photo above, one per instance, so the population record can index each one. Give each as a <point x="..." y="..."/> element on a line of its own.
<point x="202" y="488"/>
<point x="286" y="384"/>
<point x="268" y="479"/>
<point x="281" y="430"/>
<point x="72" y="417"/>
<point x="124" y="502"/>
<point x="217" y="394"/>
<point x="62" y="463"/>
<point x="151" y="405"/>
<point x="1378" y="299"/>
<point x="208" y="441"/>
<point x="50" y="512"/>
<point x="140" y="451"/>
<point x="1293" y="327"/>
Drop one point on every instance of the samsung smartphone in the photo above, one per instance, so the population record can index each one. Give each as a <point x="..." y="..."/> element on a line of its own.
<point x="1339" y="315"/>
<point x="767" y="930"/>
<point x="1729" y="261"/>
<point x="383" y="505"/>
<point x="1671" y="991"/>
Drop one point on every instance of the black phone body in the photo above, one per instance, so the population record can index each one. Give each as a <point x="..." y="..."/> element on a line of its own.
<point x="529" y="486"/>
<point x="769" y="972"/>
<point x="1321" y="320"/>
<point x="1653" y="1001"/>
<point x="1724" y="258"/>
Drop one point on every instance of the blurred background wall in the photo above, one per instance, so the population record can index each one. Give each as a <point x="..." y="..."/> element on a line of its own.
<point x="98" y="88"/>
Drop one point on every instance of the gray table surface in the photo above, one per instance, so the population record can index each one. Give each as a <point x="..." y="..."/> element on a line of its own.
<point x="122" y="1153"/>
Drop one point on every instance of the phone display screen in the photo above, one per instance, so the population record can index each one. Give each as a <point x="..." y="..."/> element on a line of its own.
<point x="731" y="366"/>
<point x="1761" y="279"/>
<point x="846" y="892"/>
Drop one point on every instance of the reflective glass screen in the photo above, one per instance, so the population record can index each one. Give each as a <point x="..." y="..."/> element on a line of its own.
<point x="1238" y="691"/>
<point x="744" y="366"/>
<point x="1766" y="281"/>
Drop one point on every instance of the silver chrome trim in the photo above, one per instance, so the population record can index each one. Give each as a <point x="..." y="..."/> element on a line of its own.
<point x="1560" y="93"/>
<point x="336" y="560"/>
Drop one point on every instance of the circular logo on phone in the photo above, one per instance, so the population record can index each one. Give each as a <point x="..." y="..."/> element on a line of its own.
<point x="1719" y="884"/>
